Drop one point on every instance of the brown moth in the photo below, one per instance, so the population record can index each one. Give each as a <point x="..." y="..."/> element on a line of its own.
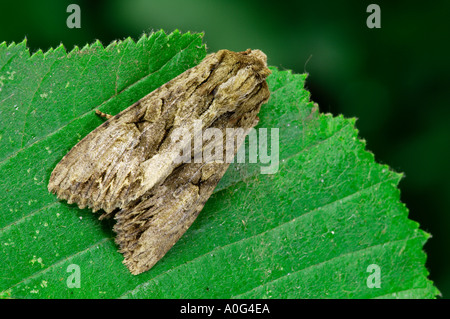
<point x="128" y="166"/>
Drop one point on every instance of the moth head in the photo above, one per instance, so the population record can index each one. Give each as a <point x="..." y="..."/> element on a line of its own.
<point x="259" y="62"/>
<point x="238" y="84"/>
<point x="255" y="59"/>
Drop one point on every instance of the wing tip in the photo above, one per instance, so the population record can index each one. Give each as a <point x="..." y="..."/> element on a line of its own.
<point x="82" y="202"/>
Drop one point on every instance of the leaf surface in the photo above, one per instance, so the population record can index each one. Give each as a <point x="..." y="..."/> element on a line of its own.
<point x="308" y="231"/>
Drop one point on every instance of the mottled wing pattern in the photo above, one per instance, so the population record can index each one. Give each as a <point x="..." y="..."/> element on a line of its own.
<point x="127" y="166"/>
<point x="148" y="227"/>
<point x="107" y="167"/>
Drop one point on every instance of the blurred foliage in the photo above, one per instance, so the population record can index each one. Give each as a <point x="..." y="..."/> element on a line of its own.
<point x="395" y="79"/>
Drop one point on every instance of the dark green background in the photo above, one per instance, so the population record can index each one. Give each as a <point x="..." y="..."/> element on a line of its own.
<point x="395" y="80"/>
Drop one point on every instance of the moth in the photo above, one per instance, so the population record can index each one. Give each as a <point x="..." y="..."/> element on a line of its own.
<point x="128" y="167"/>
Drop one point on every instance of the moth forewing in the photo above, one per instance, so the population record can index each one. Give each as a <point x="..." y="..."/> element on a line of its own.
<point x="129" y="166"/>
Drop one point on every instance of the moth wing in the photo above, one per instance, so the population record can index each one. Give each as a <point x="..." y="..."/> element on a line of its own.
<point x="126" y="166"/>
<point x="120" y="160"/>
<point x="148" y="228"/>
<point x="100" y="169"/>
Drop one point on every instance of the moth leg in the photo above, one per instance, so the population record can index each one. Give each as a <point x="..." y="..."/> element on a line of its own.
<point x="100" y="113"/>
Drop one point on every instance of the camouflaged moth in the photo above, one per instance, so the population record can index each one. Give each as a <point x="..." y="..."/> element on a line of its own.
<point x="128" y="167"/>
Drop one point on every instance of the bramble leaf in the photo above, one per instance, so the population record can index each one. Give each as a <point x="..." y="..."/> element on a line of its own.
<point x="317" y="228"/>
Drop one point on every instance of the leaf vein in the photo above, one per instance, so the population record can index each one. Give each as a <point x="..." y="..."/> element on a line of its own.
<point x="350" y="253"/>
<point x="256" y="235"/>
<point x="36" y="274"/>
<point x="31" y="101"/>
<point x="85" y="113"/>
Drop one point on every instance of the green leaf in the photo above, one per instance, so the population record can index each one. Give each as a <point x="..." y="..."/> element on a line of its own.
<point x="309" y="231"/>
